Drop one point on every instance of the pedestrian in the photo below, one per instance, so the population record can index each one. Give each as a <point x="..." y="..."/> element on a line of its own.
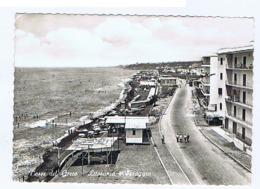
<point x="185" y="137"/>
<point x="18" y="125"/>
<point x="163" y="139"/>
<point x="188" y="137"/>
<point x="177" y="137"/>
<point x="180" y="137"/>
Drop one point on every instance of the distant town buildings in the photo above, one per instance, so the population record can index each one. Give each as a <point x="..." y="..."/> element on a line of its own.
<point x="230" y="90"/>
<point x="168" y="81"/>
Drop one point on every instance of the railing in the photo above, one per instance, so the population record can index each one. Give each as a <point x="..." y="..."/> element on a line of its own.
<point x="237" y="138"/>
<point x="233" y="98"/>
<point x="239" y="66"/>
<point x="245" y="140"/>
<point x="240" y="84"/>
<point x="242" y="66"/>
<point x="238" y="118"/>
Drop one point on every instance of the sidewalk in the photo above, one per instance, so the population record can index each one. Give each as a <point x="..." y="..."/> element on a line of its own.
<point x="241" y="157"/>
<point x="215" y="136"/>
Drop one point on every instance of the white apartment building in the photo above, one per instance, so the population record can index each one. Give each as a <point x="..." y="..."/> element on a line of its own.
<point x="210" y="66"/>
<point x="235" y="91"/>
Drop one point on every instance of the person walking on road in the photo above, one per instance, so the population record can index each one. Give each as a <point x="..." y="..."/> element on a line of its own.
<point x="185" y="137"/>
<point x="180" y="137"/>
<point x="162" y="139"/>
<point x="188" y="137"/>
<point x="177" y="137"/>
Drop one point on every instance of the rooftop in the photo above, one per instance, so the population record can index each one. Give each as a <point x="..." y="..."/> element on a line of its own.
<point x="122" y="119"/>
<point x="92" y="143"/>
<point x="236" y="49"/>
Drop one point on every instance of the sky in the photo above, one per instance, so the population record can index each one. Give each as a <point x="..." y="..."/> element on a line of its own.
<point x="63" y="40"/>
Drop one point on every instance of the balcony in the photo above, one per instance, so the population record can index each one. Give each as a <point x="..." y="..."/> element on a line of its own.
<point x="235" y="99"/>
<point x="246" y="140"/>
<point x="205" y="93"/>
<point x="239" y="121"/>
<point x="247" y="85"/>
<point x="240" y="67"/>
<point x="205" y="83"/>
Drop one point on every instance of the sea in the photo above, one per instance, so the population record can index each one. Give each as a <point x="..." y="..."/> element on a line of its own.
<point x="62" y="95"/>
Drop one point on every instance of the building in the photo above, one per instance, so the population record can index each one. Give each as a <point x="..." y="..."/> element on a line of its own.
<point x="209" y="67"/>
<point x="168" y="81"/>
<point x="135" y="128"/>
<point x="237" y="91"/>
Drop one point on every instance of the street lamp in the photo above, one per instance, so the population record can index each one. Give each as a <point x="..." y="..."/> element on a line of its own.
<point x="58" y="157"/>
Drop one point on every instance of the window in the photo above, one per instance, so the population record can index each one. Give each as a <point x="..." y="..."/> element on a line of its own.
<point x="221" y="76"/>
<point x="235" y="111"/>
<point x="133" y="132"/>
<point x="234" y="127"/>
<point x="244" y="79"/>
<point x="244" y="97"/>
<point x="221" y="61"/>
<point x="244" y="62"/>
<point x="226" y="123"/>
<point x="235" y="79"/>
<point x="243" y="114"/>
<point x="220" y="91"/>
<point x="243" y="133"/>
<point x="235" y="62"/>
<point x="220" y="106"/>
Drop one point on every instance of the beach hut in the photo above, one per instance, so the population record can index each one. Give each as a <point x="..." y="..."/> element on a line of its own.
<point x="136" y="130"/>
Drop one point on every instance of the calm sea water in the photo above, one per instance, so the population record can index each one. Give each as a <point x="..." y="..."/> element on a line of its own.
<point x="53" y="92"/>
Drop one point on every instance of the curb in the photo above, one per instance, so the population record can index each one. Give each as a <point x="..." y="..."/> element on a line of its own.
<point x="159" y="126"/>
<point x="160" y="159"/>
<point x="238" y="162"/>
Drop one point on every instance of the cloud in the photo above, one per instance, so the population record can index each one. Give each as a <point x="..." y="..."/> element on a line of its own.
<point x="26" y="43"/>
<point x="123" y="40"/>
<point x="122" y="32"/>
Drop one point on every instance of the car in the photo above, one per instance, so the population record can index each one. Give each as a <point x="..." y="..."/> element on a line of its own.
<point x="91" y="134"/>
<point x="96" y="128"/>
<point x="98" y="158"/>
<point x="81" y="135"/>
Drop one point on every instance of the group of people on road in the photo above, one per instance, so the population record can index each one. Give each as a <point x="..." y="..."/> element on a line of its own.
<point x="183" y="137"/>
<point x="180" y="138"/>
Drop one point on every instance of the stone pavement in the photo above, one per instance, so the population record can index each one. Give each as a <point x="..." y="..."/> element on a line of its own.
<point x="227" y="147"/>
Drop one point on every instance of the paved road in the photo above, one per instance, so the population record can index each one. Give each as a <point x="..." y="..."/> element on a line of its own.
<point x="201" y="161"/>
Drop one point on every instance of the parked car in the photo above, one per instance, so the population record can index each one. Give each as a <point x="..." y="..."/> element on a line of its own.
<point x="91" y="134"/>
<point x="82" y="135"/>
<point x="96" y="128"/>
<point x="98" y="157"/>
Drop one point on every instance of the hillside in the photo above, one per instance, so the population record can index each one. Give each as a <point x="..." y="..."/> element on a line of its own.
<point x="148" y="66"/>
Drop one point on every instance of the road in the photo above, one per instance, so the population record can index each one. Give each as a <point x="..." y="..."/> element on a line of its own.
<point x="200" y="161"/>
